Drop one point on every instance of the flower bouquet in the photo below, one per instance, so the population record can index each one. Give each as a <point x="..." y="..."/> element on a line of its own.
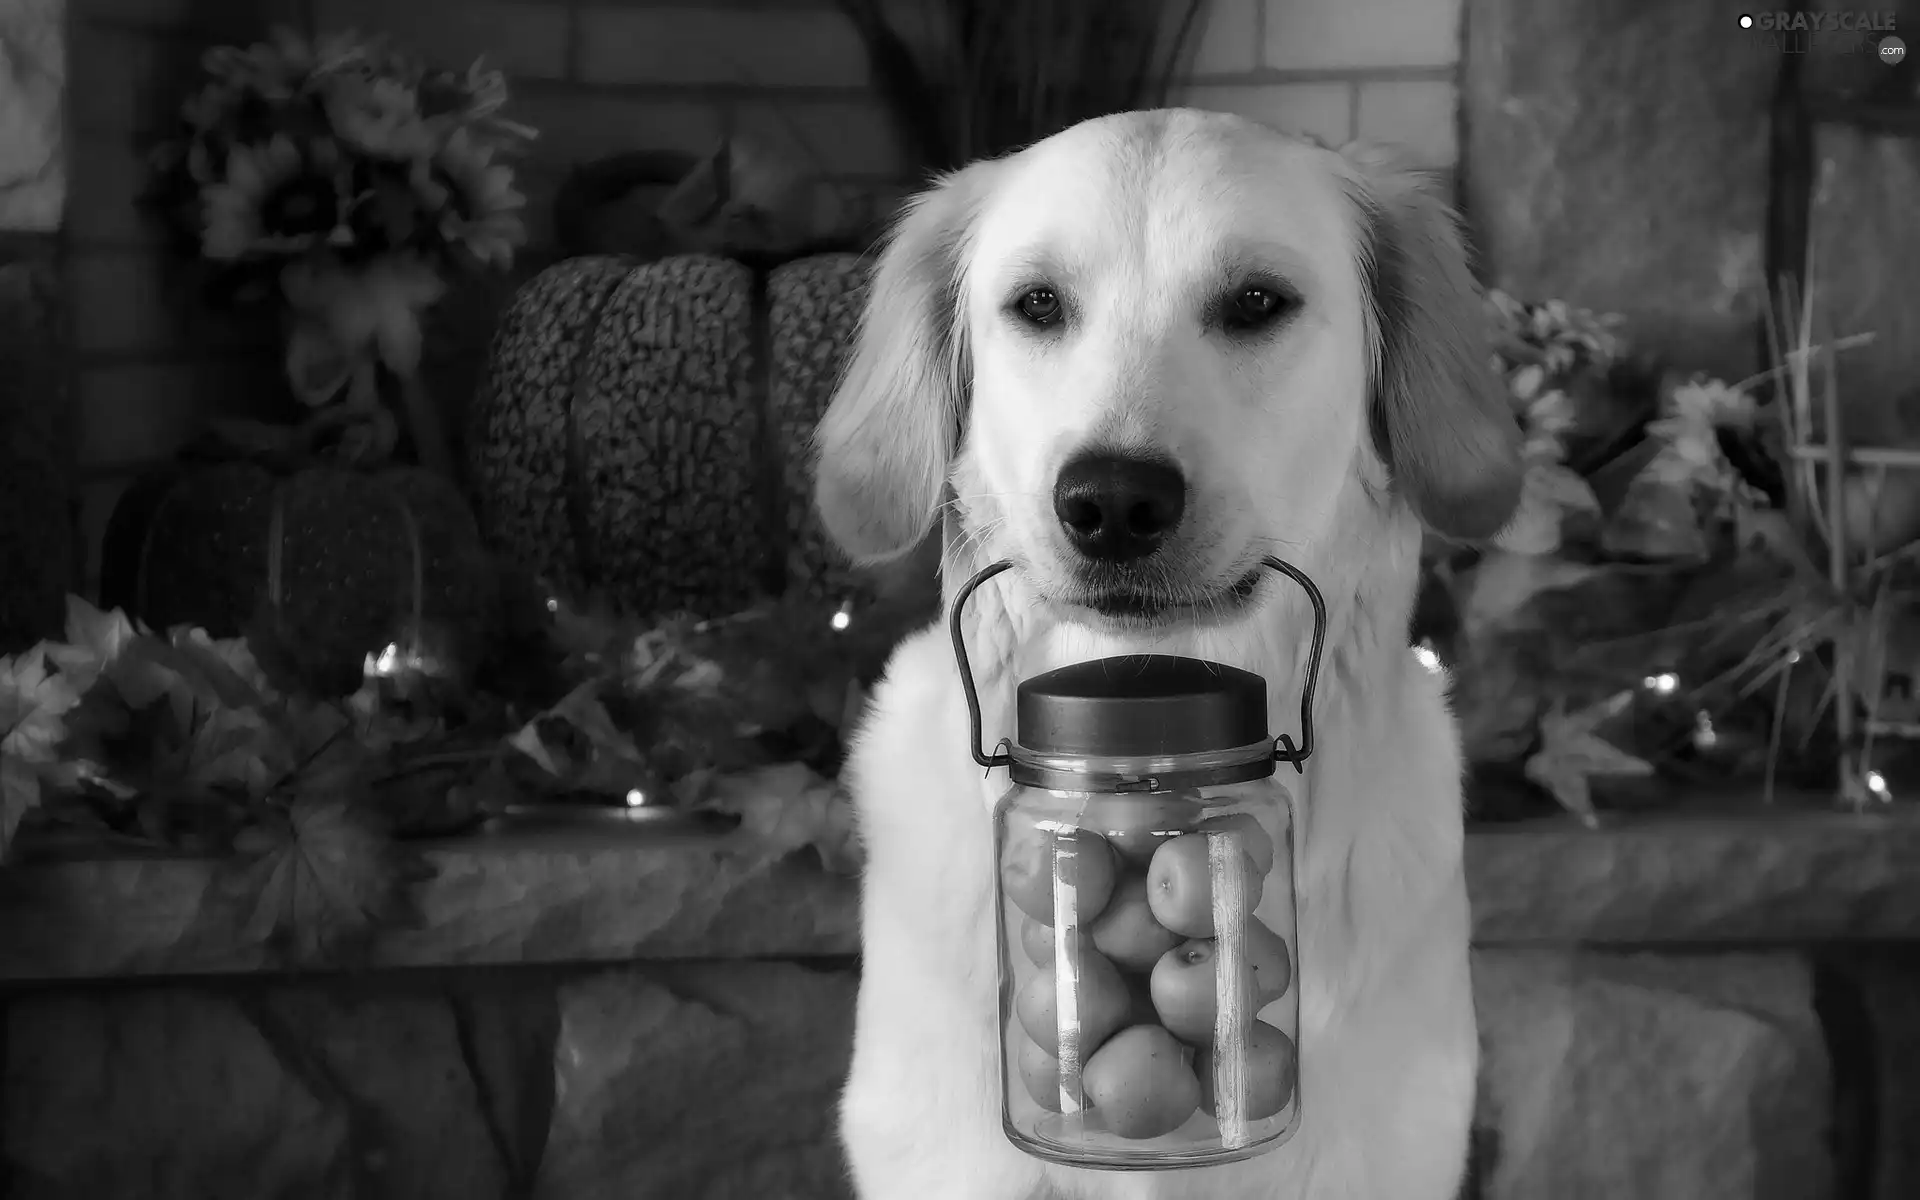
<point x="345" y="180"/>
<point x="1659" y="610"/>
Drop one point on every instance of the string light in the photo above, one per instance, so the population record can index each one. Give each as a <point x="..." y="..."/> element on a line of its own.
<point x="1704" y="734"/>
<point x="1877" y="785"/>
<point x="636" y="798"/>
<point x="553" y="604"/>
<point x="1666" y="683"/>
<point x="1427" y="656"/>
<point x="1793" y="656"/>
<point x="842" y="617"/>
<point x="388" y="662"/>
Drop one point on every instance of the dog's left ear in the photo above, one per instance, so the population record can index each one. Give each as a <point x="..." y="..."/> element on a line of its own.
<point x="1440" y="414"/>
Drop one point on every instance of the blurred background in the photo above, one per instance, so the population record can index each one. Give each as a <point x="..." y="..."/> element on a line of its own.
<point x="417" y="377"/>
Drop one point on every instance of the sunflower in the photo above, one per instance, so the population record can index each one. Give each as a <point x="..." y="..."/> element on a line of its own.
<point x="478" y="205"/>
<point x="377" y="115"/>
<point x="277" y="198"/>
<point x="282" y="66"/>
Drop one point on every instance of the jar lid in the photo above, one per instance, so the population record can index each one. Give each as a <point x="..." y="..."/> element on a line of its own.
<point x="1141" y="705"/>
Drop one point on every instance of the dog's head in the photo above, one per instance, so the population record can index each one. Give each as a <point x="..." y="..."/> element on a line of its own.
<point x="1144" y="353"/>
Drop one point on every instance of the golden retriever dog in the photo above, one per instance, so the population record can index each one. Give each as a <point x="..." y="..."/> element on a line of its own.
<point x="1134" y="359"/>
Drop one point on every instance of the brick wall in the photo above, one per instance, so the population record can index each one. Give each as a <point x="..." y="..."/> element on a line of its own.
<point x="597" y="76"/>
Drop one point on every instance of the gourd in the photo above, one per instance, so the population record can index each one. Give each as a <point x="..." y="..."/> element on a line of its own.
<point x="342" y="560"/>
<point x="643" y="429"/>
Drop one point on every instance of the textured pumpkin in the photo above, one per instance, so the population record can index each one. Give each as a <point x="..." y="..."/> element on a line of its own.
<point x="643" y="429"/>
<point x="344" y="558"/>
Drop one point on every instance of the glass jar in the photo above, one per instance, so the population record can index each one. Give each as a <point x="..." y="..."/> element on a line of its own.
<point x="1146" y="915"/>
<point x="1149" y="1006"/>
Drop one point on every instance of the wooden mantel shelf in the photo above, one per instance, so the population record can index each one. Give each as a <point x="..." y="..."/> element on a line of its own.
<point x="653" y="892"/>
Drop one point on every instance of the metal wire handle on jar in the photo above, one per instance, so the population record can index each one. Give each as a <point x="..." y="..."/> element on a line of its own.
<point x="1284" y="749"/>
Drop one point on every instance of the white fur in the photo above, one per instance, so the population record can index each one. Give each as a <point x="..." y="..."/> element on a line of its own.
<point x="951" y="406"/>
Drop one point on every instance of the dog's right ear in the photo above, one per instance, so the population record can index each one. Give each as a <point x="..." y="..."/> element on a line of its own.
<point x="886" y="444"/>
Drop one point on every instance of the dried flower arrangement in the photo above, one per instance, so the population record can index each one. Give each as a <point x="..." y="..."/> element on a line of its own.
<point x="1679" y="598"/>
<point x="345" y="180"/>
<point x="980" y="79"/>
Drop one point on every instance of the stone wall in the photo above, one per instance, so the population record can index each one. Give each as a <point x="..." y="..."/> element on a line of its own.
<point x="1589" y="129"/>
<point x="1661" y="1077"/>
<point x="670" y="1082"/>
<point x="33" y="66"/>
<point x="146" y="1059"/>
<point x="1618" y="154"/>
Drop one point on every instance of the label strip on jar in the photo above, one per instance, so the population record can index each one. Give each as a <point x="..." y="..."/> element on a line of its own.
<point x="1066" y="971"/>
<point x="1229" y="865"/>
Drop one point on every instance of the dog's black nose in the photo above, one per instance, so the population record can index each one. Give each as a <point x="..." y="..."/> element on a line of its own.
<point x="1116" y="508"/>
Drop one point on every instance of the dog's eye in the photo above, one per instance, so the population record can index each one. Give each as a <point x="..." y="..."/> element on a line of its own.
<point x="1040" y="306"/>
<point x="1256" y="306"/>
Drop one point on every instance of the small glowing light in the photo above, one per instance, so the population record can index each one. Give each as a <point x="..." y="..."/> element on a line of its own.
<point x="553" y="604"/>
<point x="384" y="663"/>
<point x="1877" y="784"/>
<point x="842" y="617"/>
<point x="1426" y="656"/>
<point x="1663" y="684"/>
<point x="1704" y="734"/>
<point x="636" y="798"/>
<point x="1793" y="656"/>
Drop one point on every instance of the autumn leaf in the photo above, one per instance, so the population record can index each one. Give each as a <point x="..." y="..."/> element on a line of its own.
<point x="578" y="743"/>
<point x="1495" y="594"/>
<point x="182" y="748"/>
<point x="320" y="879"/>
<point x="33" y="705"/>
<point x="186" y="662"/>
<point x="95" y="639"/>
<point x="1572" y="754"/>
<point x="32" y="702"/>
<point x="1549" y="492"/>
<point x="226" y="666"/>
<point x="1658" y="518"/>
<point x="782" y="809"/>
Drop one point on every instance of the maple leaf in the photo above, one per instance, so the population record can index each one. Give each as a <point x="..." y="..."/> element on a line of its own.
<point x="95" y="639"/>
<point x="226" y="665"/>
<point x="782" y="808"/>
<point x="32" y="702"/>
<point x="33" y="705"/>
<point x="317" y="881"/>
<point x="577" y="742"/>
<point x="1572" y="754"/>
<point x="182" y="749"/>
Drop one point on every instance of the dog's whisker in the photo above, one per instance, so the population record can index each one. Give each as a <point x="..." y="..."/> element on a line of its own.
<point x="1047" y="496"/>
